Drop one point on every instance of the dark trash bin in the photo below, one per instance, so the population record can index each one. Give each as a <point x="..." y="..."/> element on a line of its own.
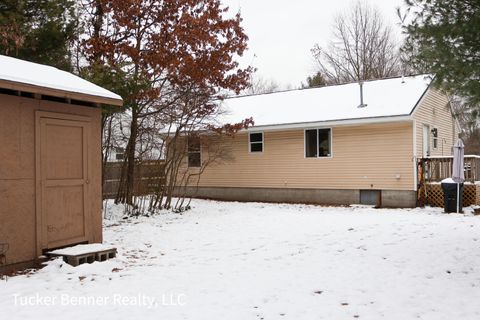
<point x="450" y="197"/>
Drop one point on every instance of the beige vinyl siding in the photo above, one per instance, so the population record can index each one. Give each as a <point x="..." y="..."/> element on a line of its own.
<point x="364" y="157"/>
<point x="434" y="110"/>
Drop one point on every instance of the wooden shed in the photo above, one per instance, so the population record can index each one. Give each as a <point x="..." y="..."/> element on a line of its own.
<point x="50" y="160"/>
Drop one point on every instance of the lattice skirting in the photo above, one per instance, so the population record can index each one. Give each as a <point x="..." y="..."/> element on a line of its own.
<point x="471" y="195"/>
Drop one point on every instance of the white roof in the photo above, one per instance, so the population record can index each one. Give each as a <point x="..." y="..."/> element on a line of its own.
<point x="25" y="72"/>
<point x="386" y="98"/>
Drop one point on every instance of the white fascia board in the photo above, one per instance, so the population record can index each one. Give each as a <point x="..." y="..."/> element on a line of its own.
<point x="415" y="167"/>
<point x="420" y="101"/>
<point x="334" y="123"/>
<point x="321" y="124"/>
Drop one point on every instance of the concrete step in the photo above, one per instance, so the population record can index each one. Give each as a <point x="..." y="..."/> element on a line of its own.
<point x="81" y="254"/>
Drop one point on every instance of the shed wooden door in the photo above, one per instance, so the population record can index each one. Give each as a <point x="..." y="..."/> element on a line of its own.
<point x="62" y="162"/>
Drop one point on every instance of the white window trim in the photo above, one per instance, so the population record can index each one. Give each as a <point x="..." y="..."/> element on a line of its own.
<point x="200" y="151"/>
<point x="249" y="142"/>
<point x="305" y="142"/>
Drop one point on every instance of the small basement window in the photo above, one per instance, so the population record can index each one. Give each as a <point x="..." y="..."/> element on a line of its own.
<point x="256" y="142"/>
<point x="318" y="143"/>
<point x="194" y="152"/>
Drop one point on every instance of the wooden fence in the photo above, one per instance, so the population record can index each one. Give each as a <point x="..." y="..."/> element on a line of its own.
<point x="148" y="174"/>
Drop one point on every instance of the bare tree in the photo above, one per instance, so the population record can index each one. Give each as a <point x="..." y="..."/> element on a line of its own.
<point x="193" y="130"/>
<point x="468" y="116"/>
<point x="259" y="85"/>
<point x="362" y="47"/>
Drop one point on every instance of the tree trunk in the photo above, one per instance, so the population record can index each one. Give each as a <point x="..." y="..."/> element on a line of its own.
<point x="127" y="178"/>
<point x="107" y="136"/>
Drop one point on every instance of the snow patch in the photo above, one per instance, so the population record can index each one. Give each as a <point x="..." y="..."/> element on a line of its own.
<point x="241" y="261"/>
<point x="82" y="249"/>
<point x="26" y="72"/>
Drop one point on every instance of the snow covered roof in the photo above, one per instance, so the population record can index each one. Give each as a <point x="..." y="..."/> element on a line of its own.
<point x="61" y="83"/>
<point x="387" y="98"/>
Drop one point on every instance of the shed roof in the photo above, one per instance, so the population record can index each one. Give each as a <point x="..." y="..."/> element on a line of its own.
<point x="387" y="98"/>
<point x="27" y="76"/>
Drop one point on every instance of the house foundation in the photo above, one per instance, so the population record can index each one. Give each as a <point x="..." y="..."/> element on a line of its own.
<point x="389" y="198"/>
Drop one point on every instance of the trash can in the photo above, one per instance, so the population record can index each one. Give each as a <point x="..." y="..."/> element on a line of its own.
<point x="450" y="197"/>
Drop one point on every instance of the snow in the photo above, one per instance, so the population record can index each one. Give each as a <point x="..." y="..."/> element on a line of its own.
<point x="451" y="180"/>
<point x="384" y="98"/>
<point x="82" y="249"/>
<point x="228" y="260"/>
<point x="26" y="72"/>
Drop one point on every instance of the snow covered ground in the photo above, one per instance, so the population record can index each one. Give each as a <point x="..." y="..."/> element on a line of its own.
<point x="244" y="261"/>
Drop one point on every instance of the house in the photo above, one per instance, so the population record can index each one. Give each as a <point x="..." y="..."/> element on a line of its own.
<point x="50" y="160"/>
<point x="342" y="144"/>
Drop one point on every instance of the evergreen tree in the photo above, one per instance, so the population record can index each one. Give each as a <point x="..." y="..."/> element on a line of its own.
<point x="316" y="80"/>
<point x="443" y="37"/>
<point x="41" y="31"/>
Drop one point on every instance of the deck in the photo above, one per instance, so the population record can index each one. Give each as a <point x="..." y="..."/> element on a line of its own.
<point x="432" y="170"/>
<point x="439" y="168"/>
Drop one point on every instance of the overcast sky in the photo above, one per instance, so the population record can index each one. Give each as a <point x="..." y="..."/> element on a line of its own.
<point x="282" y="32"/>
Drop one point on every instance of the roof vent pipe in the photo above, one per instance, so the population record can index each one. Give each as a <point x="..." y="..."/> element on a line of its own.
<point x="362" y="105"/>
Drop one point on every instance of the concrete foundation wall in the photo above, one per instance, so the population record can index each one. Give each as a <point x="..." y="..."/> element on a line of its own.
<point x="399" y="199"/>
<point x="390" y="198"/>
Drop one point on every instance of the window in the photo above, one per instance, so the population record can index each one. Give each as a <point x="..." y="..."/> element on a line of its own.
<point x="256" y="142"/>
<point x="194" y="152"/>
<point x="311" y="146"/>
<point x="435" y="138"/>
<point x="318" y="143"/>
<point x="119" y="154"/>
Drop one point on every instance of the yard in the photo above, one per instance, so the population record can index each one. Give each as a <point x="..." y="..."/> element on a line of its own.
<point x="243" y="261"/>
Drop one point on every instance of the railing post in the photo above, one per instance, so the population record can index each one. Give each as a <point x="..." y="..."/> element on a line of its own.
<point x="476" y="170"/>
